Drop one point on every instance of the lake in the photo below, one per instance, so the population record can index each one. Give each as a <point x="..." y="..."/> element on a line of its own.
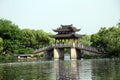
<point x="85" y="69"/>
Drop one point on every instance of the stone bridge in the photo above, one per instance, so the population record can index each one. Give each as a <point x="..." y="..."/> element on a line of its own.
<point x="56" y="51"/>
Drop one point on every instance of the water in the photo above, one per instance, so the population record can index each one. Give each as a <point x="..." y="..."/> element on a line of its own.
<point x="87" y="69"/>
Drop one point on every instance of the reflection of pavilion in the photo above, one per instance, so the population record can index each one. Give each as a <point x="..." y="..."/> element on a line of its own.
<point x="73" y="70"/>
<point x="60" y="70"/>
<point x="66" y="70"/>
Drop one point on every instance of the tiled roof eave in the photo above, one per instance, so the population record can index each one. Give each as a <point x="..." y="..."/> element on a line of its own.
<point x="66" y="36"/>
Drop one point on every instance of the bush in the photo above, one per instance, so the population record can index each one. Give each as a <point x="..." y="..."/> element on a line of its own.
<point x="86" y="56"/>
<point x="25" y="51"/>
<point x="7" y="57"/>
<point x="39" y="56"/>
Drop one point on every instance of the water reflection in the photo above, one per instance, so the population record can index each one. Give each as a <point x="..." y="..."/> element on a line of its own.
<point x="85" y="70"/>
<point x="65" y="70"/>
<point x="91" y="69"/>
<point x="106" y="69"/>
<point x="27" y="71"/>
<point x="73" y="70"/>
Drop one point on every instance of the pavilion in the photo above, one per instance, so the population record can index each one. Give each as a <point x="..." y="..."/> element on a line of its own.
<point x="66" y="33"/>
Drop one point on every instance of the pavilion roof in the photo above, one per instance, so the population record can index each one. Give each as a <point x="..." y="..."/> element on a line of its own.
<point x="66" y="36"/>
<point x="66" y="28"/>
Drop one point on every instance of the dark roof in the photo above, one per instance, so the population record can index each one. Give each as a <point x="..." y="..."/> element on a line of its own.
<point x="66" y="36"/>
<point x="66" y="32"/>
<point x="66" y="28"/>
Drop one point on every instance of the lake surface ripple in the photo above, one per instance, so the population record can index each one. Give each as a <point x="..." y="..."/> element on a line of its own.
<point x="86" y="69"/>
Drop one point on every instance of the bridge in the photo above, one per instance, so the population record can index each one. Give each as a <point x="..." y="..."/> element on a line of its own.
<point x="56" y="51"/>
<point x="67" y="37"/>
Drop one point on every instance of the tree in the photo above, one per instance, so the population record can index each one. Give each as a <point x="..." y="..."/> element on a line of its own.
<point x="113" y="41"/>
<point x="8" y="30"/>
<point x="43" y="38"/>
<point x="1" y="45"/>
<point x="98" y="39"/>
<point x="108" y="40"/>
<point x="28" y="38"/>
<point x="86" y="40"/>
<point x="10" y="33"/>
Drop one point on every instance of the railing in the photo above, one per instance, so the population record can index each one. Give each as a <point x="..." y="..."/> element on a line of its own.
<point x="79" y="46"/>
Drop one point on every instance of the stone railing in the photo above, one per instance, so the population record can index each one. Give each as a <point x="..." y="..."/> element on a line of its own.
<point x="79" y="46"/>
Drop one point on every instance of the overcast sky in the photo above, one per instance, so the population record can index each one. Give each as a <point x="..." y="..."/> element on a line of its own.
<point x="89" y="15"/>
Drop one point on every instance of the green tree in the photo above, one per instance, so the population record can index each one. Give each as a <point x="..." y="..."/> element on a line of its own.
<point x="43" y="38"/>
<point x="8" y="30"/>
<point x="28" y="38"/>
<point x="113" y="41"/>
<point x="108" y="40"/>
<point x="10" y="33"/>
<point x="98" y="39"/>
<point x="86" y="40"/>
<point x="1" y="45"/>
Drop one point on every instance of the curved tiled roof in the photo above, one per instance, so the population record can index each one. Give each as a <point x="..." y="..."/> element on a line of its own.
<point x="65" y="32"/>
<point x="67" y="28"/>
<point x="66" y="36"/>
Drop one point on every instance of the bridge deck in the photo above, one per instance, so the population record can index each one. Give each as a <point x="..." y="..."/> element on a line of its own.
<point x="78" y="46"/>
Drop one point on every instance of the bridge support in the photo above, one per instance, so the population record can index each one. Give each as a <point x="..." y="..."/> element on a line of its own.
<point x="75" y="53"/>
<point x="58" y="53"/>
<point x="49" y="54"/>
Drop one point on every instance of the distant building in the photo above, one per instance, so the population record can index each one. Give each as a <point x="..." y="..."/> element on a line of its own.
<point x="25" y="56"/>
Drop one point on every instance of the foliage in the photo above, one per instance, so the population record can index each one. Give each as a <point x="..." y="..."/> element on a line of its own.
<point x="35" y="38"/>
<point x="25" y="51"/>
<point x="40" y="56"/>
<point x="28" y="38"/>
<point x="86" y="40"/>
<point x="108" y="41"/>
<point x="86" y="56"/>
<point x="42" y="39"/>
<point x="13" y="40"/>
<point x="1" y="44"/>
<point x="7" y="57"/>
<point x="10" y="33"/>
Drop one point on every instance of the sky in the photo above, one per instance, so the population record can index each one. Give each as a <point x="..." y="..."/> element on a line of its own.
<point x="87" y="15"/>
